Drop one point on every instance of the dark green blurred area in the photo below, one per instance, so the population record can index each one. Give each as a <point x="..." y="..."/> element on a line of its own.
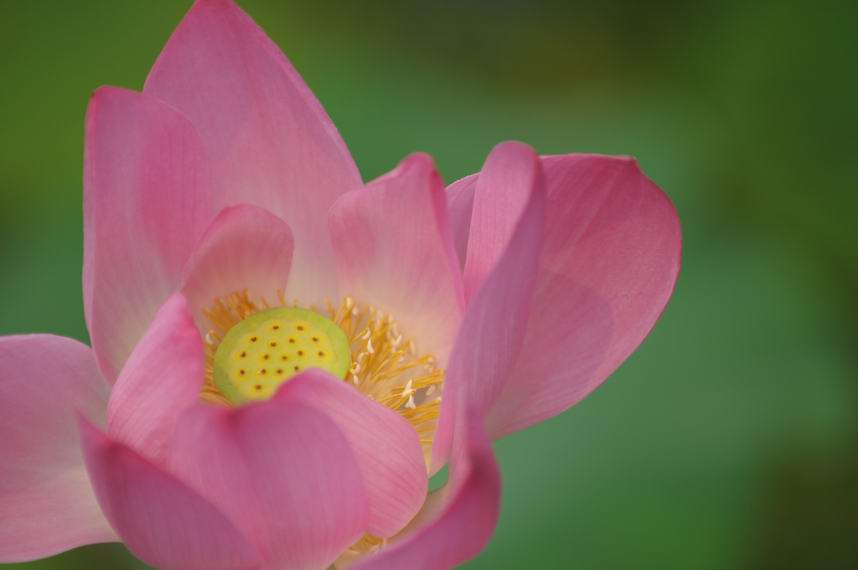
<point x="730" y="439"/>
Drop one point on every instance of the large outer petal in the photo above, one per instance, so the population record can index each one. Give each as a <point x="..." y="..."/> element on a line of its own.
<point x="458" y="520"/>
<point x="283" y="471"/>
<point x="46" y="502"/>
<point x="495" y="322"/>
<point x="245" y="248"/>
<point x="146" y="203"/>
<point x="162" y="521"/>
<point x="608" y="266"/>
<point x="162" y="378"/>
<point x="386" y="447"/>
<point x="271" y="142"/>
<point x="395" y="251"/>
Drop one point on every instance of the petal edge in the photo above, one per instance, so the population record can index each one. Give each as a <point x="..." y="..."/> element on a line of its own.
<point x="46" y="502"/>
<point x="163" y="521"/>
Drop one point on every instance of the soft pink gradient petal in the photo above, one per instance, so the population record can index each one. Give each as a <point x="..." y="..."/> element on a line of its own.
<point x="495" y="322"/>
<point x="146" y="202"/>
<point x="460" y="204"/>
<point x="46" y="503"/>
<point x="271" y="142"/>
<point x="503" y="190"/>
<point x="386" y="447"/>
<point x="163" y="522"/>
<point x="245" y="248"/>
<point x="395" y="251"/>
<point x="458" y="520"/>
<point x="162" y="378"/>
<point x="607" y="269"/>
<point x="283" y="471"/>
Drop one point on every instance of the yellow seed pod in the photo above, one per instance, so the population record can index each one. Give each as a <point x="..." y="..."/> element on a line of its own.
<point x="266" y="349"/>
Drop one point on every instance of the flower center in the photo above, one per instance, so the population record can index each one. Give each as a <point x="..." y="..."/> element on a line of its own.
<point x="268" y="348"/>
<point x="352" y="341"/>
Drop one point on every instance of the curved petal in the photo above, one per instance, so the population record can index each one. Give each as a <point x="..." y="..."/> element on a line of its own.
<point x="386" y="447"/>
<point x="271" y="142"/>
<point x="162" y="378"/>
<point x="458" y="520"/>
<point x="245" y="248"/>
<point x="46" y="502"/>
<point x="162" y="521"/>
<point x="495" y="322"/>
<point x="503" y="190"/>
<point x="607" y="269"/>
<point x="394" y="251"/>
<point x="146" y="203"/>
<point x="283" y="471"/>
<point x="460" y="203"/>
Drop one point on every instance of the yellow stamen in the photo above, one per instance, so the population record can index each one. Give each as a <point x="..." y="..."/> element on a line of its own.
<point x="366" y="545"/>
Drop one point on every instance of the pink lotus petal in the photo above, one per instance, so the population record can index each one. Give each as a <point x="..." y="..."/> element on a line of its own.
<point x="283" y="471"/>
<point x="245" y="248"/>
<point x="394" y="251"/>
<point x="460" y="204"/>
<point x="458" y="520"/>
<point x="386" y="447"/>
<point x="271" y="142"/>
<point x="162" y="378"/>
<point x="608" y="267"/>
<point x="146" y="204"/>
<point x="503" y="190"/>
<point x="46" y="503"/>
<point x="162" y="521"/>
<point x="495" y="322"/>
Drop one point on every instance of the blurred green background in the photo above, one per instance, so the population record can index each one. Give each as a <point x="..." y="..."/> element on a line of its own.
<point x="730" y="439"/>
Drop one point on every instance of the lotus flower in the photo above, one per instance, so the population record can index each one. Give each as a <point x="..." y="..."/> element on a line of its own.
<point x="281" y="355"/>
